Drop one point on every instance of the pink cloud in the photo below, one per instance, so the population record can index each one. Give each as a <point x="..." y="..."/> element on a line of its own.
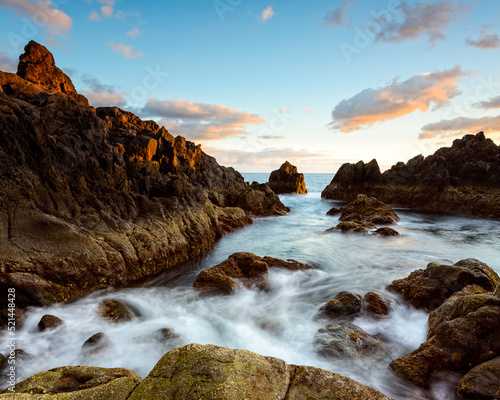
<point x="125" y="50"/>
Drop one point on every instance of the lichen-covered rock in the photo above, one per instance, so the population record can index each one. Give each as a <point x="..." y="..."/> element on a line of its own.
<point x="369" y="209"/>
<point x="344" y="305"/>
<point x="197" y="372"/>
<point x="428" y="289"/>
<point x="246" y="268"/>
<point x="375" y="305"/>
<point x="76" y="383"/>
<point x="464" y="336"/>
<point x="463" y="178"/>
<point x="115" y="311"/>
<point x="347" y="341"/>
<point x="49" y="322"/>
<point x="386" y="231"/>
<point x="287" y="180"/>
<point x="481" y="382"/>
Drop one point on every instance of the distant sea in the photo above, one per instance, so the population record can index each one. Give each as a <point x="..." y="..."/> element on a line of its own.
<point x="315" y="183"/>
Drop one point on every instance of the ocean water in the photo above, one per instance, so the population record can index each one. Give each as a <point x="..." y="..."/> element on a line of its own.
<point x="281" y="322"/>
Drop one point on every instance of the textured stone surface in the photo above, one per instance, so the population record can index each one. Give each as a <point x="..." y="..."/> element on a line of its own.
<point x="343" y="305"/>
<point x="49" y="322"/>
<point x="463" y="178"/>
<point x="481" y="382"/>
<point x="287" y="180"/>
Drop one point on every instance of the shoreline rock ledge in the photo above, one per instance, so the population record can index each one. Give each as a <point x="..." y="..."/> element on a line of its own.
<point x="195" y="372"/>
<point x="92" y="198"/>
<point x="287" y="180"/>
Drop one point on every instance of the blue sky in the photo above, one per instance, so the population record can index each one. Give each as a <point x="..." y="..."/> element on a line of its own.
<point x="317" y="83"/>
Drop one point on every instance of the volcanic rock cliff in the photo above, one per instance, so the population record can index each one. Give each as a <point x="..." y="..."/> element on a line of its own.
<point x="463" y="178"/>
<point x="91" y="198"/>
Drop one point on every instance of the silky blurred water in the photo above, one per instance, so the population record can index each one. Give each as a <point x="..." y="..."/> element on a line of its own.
<point x="281" y="322"/>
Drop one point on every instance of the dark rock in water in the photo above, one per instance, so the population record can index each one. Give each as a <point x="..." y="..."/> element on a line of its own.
<point x="463" y="334"/>
<point x="334" y="211"/>
<point x="244" y="267"/>
<point x="481" y="382"/>
<point x="287" y="180"/>
<point x="22" y="356"/>
<point x="49" y="322"/>
<point x="375" y="305"/>
<point x="343" y="305"/>
<point x="79" y="383"/>
<point x="115" y="311"/>
<point x="368" y="209"/>
<point x="354" y="226"/>
<point x="463" y="178"/>
<point x="96" y="344"/>
<point x="348" y="341"/>
<point x="203" y="372"/>
<point x="428" y="289"/>
<point x="386" y="231"/>
<point x="127" y="199"/>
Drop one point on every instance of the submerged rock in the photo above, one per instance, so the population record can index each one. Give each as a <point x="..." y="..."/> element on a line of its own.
<point x="369" y="209"/>
<point x="96" y="344"/>
<point x="463" y="178"/>
<point x="287" y="180"/>
<point x="115" y="311"/>
<point x="77" y="383"/>
<point x="428" y="289"/>
<point x="481" y="382"/>
<point x="206" y="372"/>
<point x="354" y="226"/>
<point x="246" y="268"/>
<point x="347" y="341"/>
<point x="386" y="231"/>
<point x="49" y="322"/>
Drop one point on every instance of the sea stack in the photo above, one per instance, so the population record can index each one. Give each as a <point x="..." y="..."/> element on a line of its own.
<point x="287" y="180"/>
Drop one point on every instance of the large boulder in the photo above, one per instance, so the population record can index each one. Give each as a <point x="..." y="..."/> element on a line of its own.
<point x="246" y="268"/>
<point x="76" y="383"/>
<point x="197" y="372"/>
<point x="481" y="382"/>
<point x="127" y="199"/>
<point x="463" y="178"/>
<point x="428" y="289"/>
<point x="347" y="341"/>
<point x="287" y="180"/>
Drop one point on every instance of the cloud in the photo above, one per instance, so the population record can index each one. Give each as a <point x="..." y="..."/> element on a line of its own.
<point x="105" y="99"/>
<point x="429" y="18"/>
<point x="308" y="111"/>
<point x="271" y="137"/>
<point x="337" y="17"/>
<point x="397" y="99"/>
<point x="491" y="103"/>
<point x="43" y="12"/>
<point x="460" y="126"/>
<point x="125" y="50"/>
<point x="485" y="41"/>
<point x="94" y="16"/>
<point x="200" y="120"/>
<point x="96" y="85"/>
<point x="107" y="11"/>
<point x="284" y="111"/>
<point x="7" y="64"/>
<point x="267" y="14"/>
<point x="134" y="33"/>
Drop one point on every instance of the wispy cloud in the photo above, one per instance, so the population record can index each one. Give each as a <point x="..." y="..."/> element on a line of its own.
<point x="428" y="18"/>
<point x="284" y="111"/>
<point x="134" y="33"/>
<point x="201" y="121"/>
<point x="7" y="64"/>
<point x="485" y="41"/>
<point x="101" y="94"/>
<point x="491" y="103"/>
<point x="397" y="99"/>
<point x="267" y="14"/>
<point x="125" y="50"/>
<point x="337" y="17"/>
<point x="308" y="111"/>
<point x="459" y="127"/>
<point x="272" y="137"/>
<point x="57" y="22"/>
<point x="108" y="10"/>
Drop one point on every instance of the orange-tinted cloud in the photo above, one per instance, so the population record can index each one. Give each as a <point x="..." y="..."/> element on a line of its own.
<point x="125" y="50"/>
<point x="200" y="121"/>
<point x="420" y="92"/>
<point x="460" y="126"/>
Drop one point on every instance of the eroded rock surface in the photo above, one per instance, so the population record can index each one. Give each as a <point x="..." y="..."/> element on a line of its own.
<point x="287" y="180"/>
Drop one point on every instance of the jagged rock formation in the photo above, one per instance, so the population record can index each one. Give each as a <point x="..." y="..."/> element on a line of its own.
<point x="287" y="180"/>
<point x="462" y="178"/>
<point x="91" y="198"/>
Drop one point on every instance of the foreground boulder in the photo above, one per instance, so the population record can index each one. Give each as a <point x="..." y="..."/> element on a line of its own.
<point x="246" y="268"/>
<point x="126" y="198"/>
<point x="369" y="209"/>
<point x="463" y="178"/>
<point x="77" y="383"/>
<point x="428" y="289"/>
<point x="196" y="372"/>
<point x="287" y="180"/>
<point x="482" y="382"/>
